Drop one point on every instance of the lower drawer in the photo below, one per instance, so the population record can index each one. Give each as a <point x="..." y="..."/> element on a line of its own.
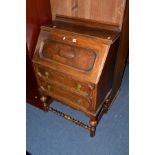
<point x="59" y="93"/>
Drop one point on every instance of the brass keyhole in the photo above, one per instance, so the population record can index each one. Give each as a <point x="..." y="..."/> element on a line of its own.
<point x="78" y="87"/>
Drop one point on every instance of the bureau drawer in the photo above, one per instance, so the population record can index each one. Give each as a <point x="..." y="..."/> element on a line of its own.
<point x="77" y="57"/>
<point x="59" y="93"/>
<point x="82" y="88"/>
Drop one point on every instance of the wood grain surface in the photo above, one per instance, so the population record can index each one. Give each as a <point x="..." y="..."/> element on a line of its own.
<point x="104" y="11"/>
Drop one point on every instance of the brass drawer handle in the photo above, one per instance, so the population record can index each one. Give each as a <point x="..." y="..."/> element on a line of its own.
<point x="46" y="74"/>
<point x="78" y="102"/>
<point x="78" y="87"/>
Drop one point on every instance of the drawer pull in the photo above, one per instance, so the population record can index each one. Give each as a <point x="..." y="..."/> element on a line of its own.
<point x="78" y="87"/>
<point x="46" y="74"/>
<point x="78" y="102"/>
<point x="68" y="54"/>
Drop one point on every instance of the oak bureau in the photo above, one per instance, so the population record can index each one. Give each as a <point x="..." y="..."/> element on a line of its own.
<point x="75" y="60"/>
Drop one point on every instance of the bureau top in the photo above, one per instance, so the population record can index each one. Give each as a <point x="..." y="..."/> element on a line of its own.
<point x="107" y="33"/>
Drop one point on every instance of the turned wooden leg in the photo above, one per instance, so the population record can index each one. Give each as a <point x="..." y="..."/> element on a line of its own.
<point x="93" y="124"/>
<point x="45" y="105"/>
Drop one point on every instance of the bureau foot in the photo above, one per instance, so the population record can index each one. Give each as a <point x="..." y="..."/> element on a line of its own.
<point x="93" y="125"/>
<point x="45" y="105"/>
<point x="92" y="131"/>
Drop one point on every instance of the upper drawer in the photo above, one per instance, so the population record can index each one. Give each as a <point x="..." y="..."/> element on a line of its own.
<point x="74" y="85"/>
<point x="70" y="55"/>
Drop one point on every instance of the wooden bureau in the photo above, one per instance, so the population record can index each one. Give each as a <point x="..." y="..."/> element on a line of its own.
<point x="74" y="63"/>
